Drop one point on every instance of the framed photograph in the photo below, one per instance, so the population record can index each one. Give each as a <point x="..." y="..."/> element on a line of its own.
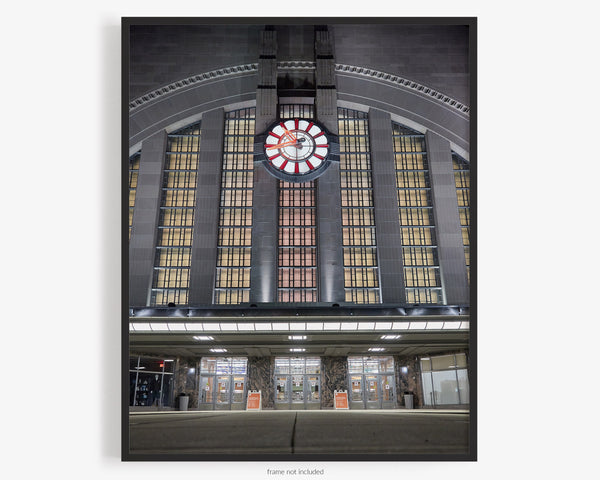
<point x="299" y="239"/>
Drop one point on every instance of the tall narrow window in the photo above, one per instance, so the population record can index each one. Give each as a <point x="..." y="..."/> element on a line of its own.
<point x="134" y="167"/>
<point x="297" y="252"/>
<point x="462" y="178"/>
<point x="232" y="284"/>
<point x="176" y="220"/>
<point x="361" y="276"/>
<point x="419" y="246"/>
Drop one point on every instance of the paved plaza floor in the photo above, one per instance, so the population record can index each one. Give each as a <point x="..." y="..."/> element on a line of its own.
<point x="344" y="432"/>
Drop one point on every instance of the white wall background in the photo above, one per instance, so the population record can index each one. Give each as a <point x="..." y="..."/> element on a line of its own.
<point x="538" y="170"/>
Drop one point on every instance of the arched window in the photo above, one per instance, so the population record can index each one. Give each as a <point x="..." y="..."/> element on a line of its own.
<point x="419" y="247"/>
<point x="361" y="276"/>
<point x="176" y="219"/>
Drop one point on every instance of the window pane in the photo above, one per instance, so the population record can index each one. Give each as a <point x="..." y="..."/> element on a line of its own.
<point x="235" y="212"/>
<point x="445" y="387"/>
<point x="463" y="385"/>
<point x="416" y="216"/>
<point x="443" y="362"/>
<point x="358" y="219"/>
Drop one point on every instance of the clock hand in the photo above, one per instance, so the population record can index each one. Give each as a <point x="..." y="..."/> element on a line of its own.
<point x="279" y="145"/>
<point x="288" y="133"/>
<point x="285" y="144"/>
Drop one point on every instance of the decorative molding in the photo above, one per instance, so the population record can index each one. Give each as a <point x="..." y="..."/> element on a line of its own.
<point x="299" y="65"/>
<point x="187" y="82"/>
<point x="388" y="77"/>
<point x="296" y="65"/>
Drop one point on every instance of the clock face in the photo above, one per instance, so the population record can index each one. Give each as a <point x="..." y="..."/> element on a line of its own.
<point x="296" y="148"/>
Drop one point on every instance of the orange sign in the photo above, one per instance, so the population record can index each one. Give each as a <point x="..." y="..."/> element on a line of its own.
<point x="341" y="400"/>
<point x="253" y="402"/>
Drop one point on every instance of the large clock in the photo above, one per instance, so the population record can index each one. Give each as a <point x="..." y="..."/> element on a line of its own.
<point x="296" y="150"/>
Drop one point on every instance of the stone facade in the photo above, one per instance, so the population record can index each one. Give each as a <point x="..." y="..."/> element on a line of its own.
<point x="334" y="376"/>
<point x="186" y="380"/>
<point x="260" y="377"/>
<point x="409" y="382"/>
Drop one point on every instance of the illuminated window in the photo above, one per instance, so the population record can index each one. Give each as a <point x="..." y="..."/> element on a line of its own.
<point x="134" y="167"/>
<point x="176" y="220"/>
<point x="462" y="178"/>
<point x="297" y="252"/>
<point x="361" y="276"/>
<point x="232" y="284"/>
<point x="417" y="228"/>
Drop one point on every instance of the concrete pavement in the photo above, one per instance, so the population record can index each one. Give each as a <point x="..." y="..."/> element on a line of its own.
<point x="301" y="432"/>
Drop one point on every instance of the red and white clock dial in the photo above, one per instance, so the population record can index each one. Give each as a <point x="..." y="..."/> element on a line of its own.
<point x="296" y="147"/>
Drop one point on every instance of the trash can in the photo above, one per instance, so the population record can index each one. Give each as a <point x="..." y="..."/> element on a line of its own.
<point x="183" y="402"/>
<point x="408" y="400"/>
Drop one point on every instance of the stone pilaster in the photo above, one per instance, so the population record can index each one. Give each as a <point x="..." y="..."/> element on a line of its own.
<point x="186" y="380"/>
<point x="451" y="251"/>
<point x="334" y="376"/>
<point x="329" y="221"/>
<point x="145" y="219"/>
<point x="263" y="272"/>
<point x="409" y="382"/>
<point x="385" y="199"/>
<point x="260" y="377"/>
<point x="206" y="213"/>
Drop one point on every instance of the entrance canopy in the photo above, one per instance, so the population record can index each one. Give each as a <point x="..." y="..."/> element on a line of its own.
<point x="265" y="329"/>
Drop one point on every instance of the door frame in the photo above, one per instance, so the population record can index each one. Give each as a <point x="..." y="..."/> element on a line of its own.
<point x="364" y="403"/>
<point x="229" y="405"/>
<point x="306" y="404"/>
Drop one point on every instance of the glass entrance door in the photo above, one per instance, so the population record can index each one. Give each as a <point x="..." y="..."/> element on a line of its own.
<point x="297" y="383"/>
<point x="388" y="391"/>
<point x="372" y="383"/>
<point x="222" y="383"/>
<point x="281" y="389"/>
<point x="297" y="389"/>
<point x="312" y="384"/>
<point x="356" y="389"/>
<point x="373" y="397"/>
<point x="238" y="390"/>
<point x="207" y="390"/>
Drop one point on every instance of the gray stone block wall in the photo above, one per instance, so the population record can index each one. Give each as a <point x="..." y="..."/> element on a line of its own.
<point x="433" y="55"/>
<point x="296" y="42"/>
<point x="145" y="219"/>
<point x="162" y="54"/>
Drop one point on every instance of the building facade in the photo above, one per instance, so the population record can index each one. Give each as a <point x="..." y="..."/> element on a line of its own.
<point x="262" y="256"/>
